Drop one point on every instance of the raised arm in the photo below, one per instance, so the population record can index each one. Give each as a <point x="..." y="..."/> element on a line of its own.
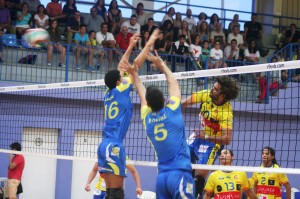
<point x="91" y="177"/>
<point x="186" y="102"/>
<point x="288" y="190"/>
<point x="174" y="89"/>
<point x="136" y="178"/>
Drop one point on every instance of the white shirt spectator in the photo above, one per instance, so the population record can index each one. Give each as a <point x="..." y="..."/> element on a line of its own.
<point x="252" y="55"/>
<point x="41" y="21"/>
<point x="216" y="54"/>
<point x="191" y="22"/>
<point x="101" y="37"/>
<point x="167" y="17"/>
<point x="196" y="51"/>
<point x="227" y="52"/>
<point x="239" y="39"/>
<point x="132" y="28"/>
<point x="218" y="35"/>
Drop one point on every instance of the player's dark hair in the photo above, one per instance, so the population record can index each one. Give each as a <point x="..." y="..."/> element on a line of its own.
<point x="272" y="152"/>
<point x="229" y="87"/>
<point x="155" y="98"/>
<point x="15" y="146"/>
<point x="231" y="152"/>
<point x="111" y="78"/>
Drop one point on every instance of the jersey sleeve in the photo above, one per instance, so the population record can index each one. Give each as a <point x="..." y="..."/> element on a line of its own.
<point x="173" y="103"/>
<point x="200" y="96"/>
<point x="254" y="178"/>
<point x="245" y="181"/>
<point x="210" y="185"/>
<point x="125" y="86"/>
<point x="282" y="178"/>
<point x="144" y="112"/>
<point x="226" y="118"/>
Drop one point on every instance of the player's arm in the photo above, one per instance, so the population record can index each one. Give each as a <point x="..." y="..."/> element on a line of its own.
<point x="288" y="189"/>
<point x="139" y="60"/>
<point x="174" y="89"/>
<point x="224" y="139"/>
<point x="12" y="164"/>
<point x="136" y="178"/>
<point x="91" y="177"/>
<point x="250" y="194"/>
<point x="207" y="195"/>
<point x="186" y="102"/>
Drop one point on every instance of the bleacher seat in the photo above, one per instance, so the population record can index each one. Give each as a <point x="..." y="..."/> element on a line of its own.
<point x="10" y="40"/>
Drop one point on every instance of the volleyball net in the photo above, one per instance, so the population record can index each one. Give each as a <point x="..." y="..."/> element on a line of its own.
<point x="65" y="120"/>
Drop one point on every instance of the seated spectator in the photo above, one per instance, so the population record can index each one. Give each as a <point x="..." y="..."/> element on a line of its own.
<point x="231" y="53"/>
<point x="196" y="50"/>
<point x="101" y="10"/>
<point x="94" y="21"/>
<point x="81" y="40"/>
<point x="177" y="21"/>
<point x="218" y="35"/>
<point x="216" y="54"/>
<point x="96" y="51"/>
<point x="14" y="6"/>
<point x="55" y="44"/>
<point x="292" y="35"/>
<point x="214" y="20"/>
<point x="281" y="39"/>
<point x="69" y="8"/>
<point x="114" y="17"/>
<point x="253" y="30"/>
<point x="140" y="14"/>
<point x="23" y="21"/>
<point x="237" y="36"/>
<point x="54" y="10"/>
<point x="203" y="31"/>
<point x="252" y="56"/>
<point x="123" y="38"/>
<point x="160" y="43"/>
<point x="5" y="19"/>
<point x="205" y="54"/>
<point x="41" y="19"/>
<point x="184" y="30"/>
<point x="32" y="6"/>
<point x="202" y="18"/>
<point x="142" y="42"/>
<point x="73" y="25"/>
<point x="190" y="20"/>
<point x="169" y="15"/>
<point x="150" y="26"/>
<point x="167" y="28"/>
<point x="235" y="22"/>
<point x="132" y="25"/>
<point x="180" y="53"/>
<point x="106" y="40"/>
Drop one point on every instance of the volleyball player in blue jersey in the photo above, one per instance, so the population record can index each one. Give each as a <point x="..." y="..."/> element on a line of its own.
<point x="165" y="129"/>
<point x="118" y="112"/>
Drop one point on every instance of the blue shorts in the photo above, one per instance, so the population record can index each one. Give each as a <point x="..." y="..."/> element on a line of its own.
<point x="204" y="151"/>
<point x="111" y="158"/>
<point x="175" y="184"/>
<point x="99" y="194"/>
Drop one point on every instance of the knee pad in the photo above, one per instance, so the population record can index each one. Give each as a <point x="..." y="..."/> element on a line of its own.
<point x="116" y="193"/>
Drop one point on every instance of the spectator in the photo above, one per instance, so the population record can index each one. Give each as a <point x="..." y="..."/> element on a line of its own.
<point x="41" y="19"/>
<point x="15" y="171"/>
<point x="93" y="44"/>
<point x="178" y="20"/>
<point x="55" y="43"/>
<point x="5" y="19"/>
<point x="236" y="35"/>
<point x="101" y="10"/>
<point x="114" y="17"/>
<point x="32" y="6"/>
<point x="23" y="21"/>
<point x="140" y="14"/>
<point x="190" y="20"/>
<point x="214" y="20"/>
<point x="252" y="56"/>
<point x="106" y="40"/>
<point x="150" y="26"/>
<point x="292" y="35"/>
<point x="69" y="8"/>
<point x="14" y="6"/>
<point x="54" y="10"/>
<point x="180" y="52"/>
<point x="169" y="15"/>
<point x="196" y="50"/>
<point x="185" y="31"/>
<point x="160" y="43"/>
<point x="144" y="39"/>
<point x="94" y="21"/>
<point x="203" y="31"/>
<point x="132" y="25"/>
<point x="231" y="53"/>
<point x="235" y="22"/>
<point x="216" y="54"/>
<point x="73" y="25"/>
<point x="202" y="18"/>
<point x="253" y="30"/>
<point x="81" y="40"/>
<point x="122" y="39"/>
<point x="205" y="53"/>
<point x="218" y="35"/>
<point x="167" y="28"/>
<point x="281" y="39"/>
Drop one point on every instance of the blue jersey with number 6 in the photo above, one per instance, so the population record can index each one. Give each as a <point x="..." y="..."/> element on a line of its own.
<point x="166" y="131"/>
<point x="118" y="111"/>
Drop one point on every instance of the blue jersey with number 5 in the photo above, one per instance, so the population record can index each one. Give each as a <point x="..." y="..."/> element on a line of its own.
<point x="166" y="131"/>
<point x="118" y="111"/>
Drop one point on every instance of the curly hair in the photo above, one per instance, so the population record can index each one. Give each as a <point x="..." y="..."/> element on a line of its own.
<point x="229" y="87"/>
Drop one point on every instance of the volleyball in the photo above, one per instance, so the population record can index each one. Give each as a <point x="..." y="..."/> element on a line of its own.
<point x="37" y="37"/>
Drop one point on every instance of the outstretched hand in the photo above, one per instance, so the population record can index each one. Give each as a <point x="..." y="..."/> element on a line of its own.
<point x="156" y="60"/>
<point x="134" y="39"/>
<point x="127" y="67"/>
<point x="154" y="36"/>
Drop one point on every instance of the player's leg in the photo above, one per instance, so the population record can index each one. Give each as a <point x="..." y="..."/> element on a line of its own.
<point x="181" y="184"/>
<point x="162" y="191"/>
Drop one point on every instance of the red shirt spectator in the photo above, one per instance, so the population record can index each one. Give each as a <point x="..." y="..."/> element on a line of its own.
<point x="54" y="9"/>
<point x="16" y="173"/>
<point x="122" y="38"/>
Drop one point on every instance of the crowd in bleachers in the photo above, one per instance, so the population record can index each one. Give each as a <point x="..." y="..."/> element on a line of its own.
<point x="196" y="42"/>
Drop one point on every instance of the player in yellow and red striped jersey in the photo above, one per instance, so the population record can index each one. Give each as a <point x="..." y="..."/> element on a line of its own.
<point x="268" y="185"/>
